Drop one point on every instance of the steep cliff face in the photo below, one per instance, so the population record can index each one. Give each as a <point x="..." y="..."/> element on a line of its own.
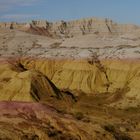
<point x="91" y="77"/>
<point x="74" y="75"/>
<point x="19" y="84"/>
<point x="86" y="26"/>
<point x="70" y="29"/>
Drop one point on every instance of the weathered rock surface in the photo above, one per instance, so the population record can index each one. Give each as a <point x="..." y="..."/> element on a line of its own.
<point x="19" y="84"/>
<point x="67" y="118"/>
<point x="74" y="28"/>
<point x="34" y="121"/>
<point x="119" y="77"/>
<point x="87" y="70"/>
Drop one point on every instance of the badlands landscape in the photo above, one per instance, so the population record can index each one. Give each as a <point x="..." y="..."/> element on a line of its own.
<point x="70" y="80"/>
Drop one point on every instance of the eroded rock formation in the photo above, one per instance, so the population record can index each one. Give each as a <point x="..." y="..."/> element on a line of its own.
<point x="107" y="76"/>
<point x="75" y="80"/>
<point x="70" y="29"/>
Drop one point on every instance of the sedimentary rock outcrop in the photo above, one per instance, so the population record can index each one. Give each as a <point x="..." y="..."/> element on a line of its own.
<point x="32" y="121"/>
<point x="20" y="84"/>
<point x="12" y="25"/>
<point x="91" y="77"/>
<point x="75" y="80"/>
<point x="86" y="26"/>
<point x="70" y="29"/>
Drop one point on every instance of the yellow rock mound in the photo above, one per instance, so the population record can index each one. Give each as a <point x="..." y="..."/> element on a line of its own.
<point x="120" y="77"/>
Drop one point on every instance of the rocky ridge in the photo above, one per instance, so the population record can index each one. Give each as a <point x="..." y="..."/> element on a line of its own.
<point x="70" y="29"/>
